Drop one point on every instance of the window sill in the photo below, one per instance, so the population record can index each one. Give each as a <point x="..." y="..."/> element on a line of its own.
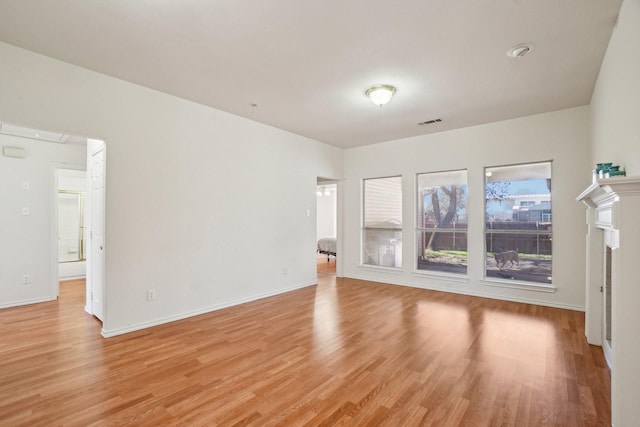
<point x="514" y="284"/>
<point x="381" y="268"/>
<point x="461" y="278"/>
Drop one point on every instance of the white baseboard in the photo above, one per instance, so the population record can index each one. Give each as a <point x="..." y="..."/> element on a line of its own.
<point x="64" y="279"/>
<point x="475" y="294"/>
<point x="27" y="302"/>
<point x="113" y="332"/>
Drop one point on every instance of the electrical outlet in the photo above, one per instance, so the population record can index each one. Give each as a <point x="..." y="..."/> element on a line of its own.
<point x="285" y="271"/>
<point x="151" y="295"/>
<point x="26" y="279"/>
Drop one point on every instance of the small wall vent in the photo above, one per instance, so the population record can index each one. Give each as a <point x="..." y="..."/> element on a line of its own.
<point x="430" y="122"/>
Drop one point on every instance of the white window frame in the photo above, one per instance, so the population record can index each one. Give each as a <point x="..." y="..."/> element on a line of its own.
<point x="512" y="282"/>
<point x="420" y="229"/>
<point x="394" y="228"/>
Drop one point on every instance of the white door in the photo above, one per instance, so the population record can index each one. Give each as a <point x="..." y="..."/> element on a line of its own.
<point x="97" y="232"/>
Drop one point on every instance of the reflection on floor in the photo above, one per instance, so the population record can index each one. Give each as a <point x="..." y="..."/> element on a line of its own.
<point x="326" y="267"/>
<point x="344" y="352"/>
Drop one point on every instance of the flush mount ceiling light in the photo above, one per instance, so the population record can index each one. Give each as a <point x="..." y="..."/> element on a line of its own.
<point x="519" y="51"/>
<point x="324" y="191"/>
<point x="381" y="94"/>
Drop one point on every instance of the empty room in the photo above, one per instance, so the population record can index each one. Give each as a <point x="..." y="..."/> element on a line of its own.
<point x="338" y="213"/>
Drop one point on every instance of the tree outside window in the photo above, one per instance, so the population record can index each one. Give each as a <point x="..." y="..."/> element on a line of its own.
<point x="442" y="222"/>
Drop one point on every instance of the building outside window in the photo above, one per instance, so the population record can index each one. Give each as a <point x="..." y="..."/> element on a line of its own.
<point x="518" y="226"/>
<point x="441" y="232"/>
<point x="382" y="222"/>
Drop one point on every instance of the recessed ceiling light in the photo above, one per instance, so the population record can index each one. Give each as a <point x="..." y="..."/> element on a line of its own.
<point x="519" y="51"/>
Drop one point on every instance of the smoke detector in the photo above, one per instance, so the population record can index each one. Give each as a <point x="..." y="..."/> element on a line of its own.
<point x="519" y="51"/>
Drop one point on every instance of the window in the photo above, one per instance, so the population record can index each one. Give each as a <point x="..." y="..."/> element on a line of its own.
<point x="442" y="222"/>
<point x="382" y="222"/>
<point x="518" y="222"/>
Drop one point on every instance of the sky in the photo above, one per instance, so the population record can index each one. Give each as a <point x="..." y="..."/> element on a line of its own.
<point x="531" y="186"/>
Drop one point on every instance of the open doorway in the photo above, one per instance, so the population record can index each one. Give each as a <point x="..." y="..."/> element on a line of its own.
<point x="73" y="209"/>
<point x="327" y="226"/>
<point x="72" y="231"/>
<point x="47" y="181"/>
<point x="78" y="226"/>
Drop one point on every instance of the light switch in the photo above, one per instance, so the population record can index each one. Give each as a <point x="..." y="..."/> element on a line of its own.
<point x="25" y="211"/>
<point x="308" y="212"/>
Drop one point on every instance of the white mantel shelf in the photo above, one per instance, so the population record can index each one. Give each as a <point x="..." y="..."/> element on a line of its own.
<point x="606" y="190"/>
<point x="613" y="221"/>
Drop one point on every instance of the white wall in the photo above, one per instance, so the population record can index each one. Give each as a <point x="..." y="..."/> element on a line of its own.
<point x="73" y="180"/>
<point x="206" y="208"/>
<point x="561" y="136"/>
<point x="326" y="211"/>
<point x="615" y="105"/>
<point x="615" y="123"/>
<point x="25" y="246"/>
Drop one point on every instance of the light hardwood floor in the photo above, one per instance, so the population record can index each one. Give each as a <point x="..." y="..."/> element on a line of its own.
<point x="325" y="266"/>
<point x="345" y="352"/>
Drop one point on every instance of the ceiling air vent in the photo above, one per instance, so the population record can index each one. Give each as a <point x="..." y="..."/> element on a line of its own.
<point x="430" y="122"/>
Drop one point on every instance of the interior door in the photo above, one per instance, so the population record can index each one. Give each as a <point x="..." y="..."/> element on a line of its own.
<point x="97" y="232"/>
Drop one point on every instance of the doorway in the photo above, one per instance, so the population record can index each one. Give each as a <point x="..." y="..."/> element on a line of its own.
<point x="72" y="208"/>
<point x="326" y="226"/>
<point x="78" y="233"/>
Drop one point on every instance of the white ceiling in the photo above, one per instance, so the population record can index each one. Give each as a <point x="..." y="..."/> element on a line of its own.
<point x="307" y="64"/>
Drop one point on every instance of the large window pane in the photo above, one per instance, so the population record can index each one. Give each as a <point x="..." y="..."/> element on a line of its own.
<point x="518" y="222"/>
<point x="442" y="222"/>
<point x="382" y="223"/>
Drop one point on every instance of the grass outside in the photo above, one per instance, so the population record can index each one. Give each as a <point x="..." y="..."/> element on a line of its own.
<point x="456" y="257"/>
<point x="447" y="256"/>
<point x="530" y="268"/>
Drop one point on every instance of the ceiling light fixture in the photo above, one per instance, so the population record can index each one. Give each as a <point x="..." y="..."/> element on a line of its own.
<point x="381" y="94"/>
<point x="519" y="51"/>
<point x="323" y="191"/>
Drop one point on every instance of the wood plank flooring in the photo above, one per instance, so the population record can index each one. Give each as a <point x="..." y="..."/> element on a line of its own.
<point x="324" y="266"/>
<point x="344" y="352"/>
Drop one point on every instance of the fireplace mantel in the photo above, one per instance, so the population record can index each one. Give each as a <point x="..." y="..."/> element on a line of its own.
<point x="613" y="225"/>
<point x="604" y="192"/>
